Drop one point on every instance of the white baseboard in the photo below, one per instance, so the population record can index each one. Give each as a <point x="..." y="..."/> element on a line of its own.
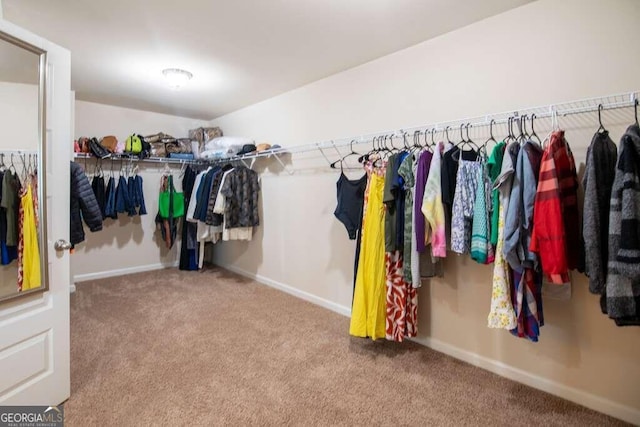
<point x="617" y="410"/>
<point x="575" y="395"/>
<point x="122" y="271"/>
<point x="337" y="308"/>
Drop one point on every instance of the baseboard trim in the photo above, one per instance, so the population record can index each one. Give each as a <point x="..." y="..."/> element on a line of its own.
<point x="329" y="305"/>
<point x="591" y="401"/>
<point x="122" y="271"/>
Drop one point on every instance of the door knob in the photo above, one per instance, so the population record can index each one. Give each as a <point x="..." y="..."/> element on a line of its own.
<point x="62" y="245"/>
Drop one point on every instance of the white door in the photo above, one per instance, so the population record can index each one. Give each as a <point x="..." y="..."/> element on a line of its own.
<point x="34" y="329"/>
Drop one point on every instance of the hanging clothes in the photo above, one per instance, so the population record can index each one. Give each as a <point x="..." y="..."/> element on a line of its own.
<point x="405" y="171"/>
<point x="168" y="226"/>
<point x="527" y="282"/>
<point x="83" y="206"/>
<point x="138" y="189"/>
<point x="623" y="278"/>
<point x="110" y="205"/>
<point x="188" y="246"/>
<point x="28" y="249"/>
<point x="432" y="205"/>
<point x="369" y="303"/>
<point x="10" y="201"/>
<point x="123" y="198"/>
<point x="423" y="229"/>
<point x="600" y="171"/>
<point x="350" y="199"/>
<point x="7" y="253"/>
<point x="463" y="203"/>
<point x="556" y="229"/>
<point x="99" y="192"/>
<point x="241" y="190"/>
<point x="494" y="167"/>
<point x="481" y="250"/>
<point x="502" y="314"/>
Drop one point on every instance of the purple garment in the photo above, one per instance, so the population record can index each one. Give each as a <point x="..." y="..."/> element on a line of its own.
<point x="422" y="173"/>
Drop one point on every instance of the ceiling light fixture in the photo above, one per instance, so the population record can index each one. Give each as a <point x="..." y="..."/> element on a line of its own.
<point x="176" y="78"/>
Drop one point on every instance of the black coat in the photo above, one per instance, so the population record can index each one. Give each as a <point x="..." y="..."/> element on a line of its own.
<point x="83" y="205"/>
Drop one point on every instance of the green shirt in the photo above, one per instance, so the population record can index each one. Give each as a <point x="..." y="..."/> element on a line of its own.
<point x="494" y="165"/>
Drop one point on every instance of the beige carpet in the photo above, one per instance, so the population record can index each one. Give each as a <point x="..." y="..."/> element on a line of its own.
<point x="212" y="348"/>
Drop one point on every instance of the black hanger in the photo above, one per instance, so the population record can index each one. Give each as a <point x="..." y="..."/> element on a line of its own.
<point x="635" y="110"/>
<point x="524" y="126"/>
<point x="471" y="142"/>
<point x="446" y="131"/>
<point x="462" y="140"/>
<point x="491" y="137"/>
<point x="601" y="128"/>
<point x="533" y="131"/>
<point x="416" y="139"/>
<point x="341" y="160"/>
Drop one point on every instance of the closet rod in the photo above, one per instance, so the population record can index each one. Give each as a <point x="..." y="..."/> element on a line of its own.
<point x="610" y="102"/>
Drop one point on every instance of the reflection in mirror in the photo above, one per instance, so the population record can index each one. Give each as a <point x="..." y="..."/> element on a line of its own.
<point x="20" y="261"/>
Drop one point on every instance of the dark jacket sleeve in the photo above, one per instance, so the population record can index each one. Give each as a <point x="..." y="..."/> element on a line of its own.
<point x="83" y="205"/>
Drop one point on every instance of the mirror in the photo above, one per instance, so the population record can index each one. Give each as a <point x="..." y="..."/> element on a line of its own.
<point x="22" y="264"/>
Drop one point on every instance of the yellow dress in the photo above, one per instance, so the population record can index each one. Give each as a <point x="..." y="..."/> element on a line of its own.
<point x="31" y="257"/>
<point x="368" y="313"/>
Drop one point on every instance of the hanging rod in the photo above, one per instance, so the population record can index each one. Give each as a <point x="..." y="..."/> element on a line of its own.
<point x="609" y="102"/>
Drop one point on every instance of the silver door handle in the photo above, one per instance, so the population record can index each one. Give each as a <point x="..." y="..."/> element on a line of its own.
<point x="62" y="245"/>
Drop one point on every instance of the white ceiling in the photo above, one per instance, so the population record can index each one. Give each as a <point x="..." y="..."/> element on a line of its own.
<point x="239" y="51"/>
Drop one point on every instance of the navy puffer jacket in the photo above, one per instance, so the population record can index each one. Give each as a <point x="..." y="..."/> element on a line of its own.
<point x="84" y="205"/>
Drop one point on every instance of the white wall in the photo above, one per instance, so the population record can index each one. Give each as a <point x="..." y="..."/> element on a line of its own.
<point x="545" y="52"/>
<point x="126" y="244"/>
<point x="18" y="116"/>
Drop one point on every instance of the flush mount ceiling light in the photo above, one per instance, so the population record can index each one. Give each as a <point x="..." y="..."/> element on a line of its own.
<point x="176" y="78"/>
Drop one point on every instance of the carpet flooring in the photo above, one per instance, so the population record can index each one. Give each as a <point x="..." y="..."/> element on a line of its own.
<point x="212" y="348"/>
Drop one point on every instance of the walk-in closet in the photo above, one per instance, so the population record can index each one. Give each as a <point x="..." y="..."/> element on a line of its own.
<point x="318" y="213"/>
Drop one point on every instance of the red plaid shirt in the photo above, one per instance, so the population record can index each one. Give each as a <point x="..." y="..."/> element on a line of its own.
<point x="556" y="229"/>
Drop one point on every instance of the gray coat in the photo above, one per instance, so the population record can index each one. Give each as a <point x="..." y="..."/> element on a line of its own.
<point x="598" y="178"/>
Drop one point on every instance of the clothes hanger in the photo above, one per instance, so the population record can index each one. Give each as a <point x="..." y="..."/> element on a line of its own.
<point x="601" y="128"/>
<point x="525" y="117"/>
<point x="446" y="131"/>
<point x="3" y="167"/>
<point x="13" y="166"/>
<point x="471" y="142"/>
<point x="635" y="110"/>
<point x="462" y="140"/>
<point x="491" y="137"/>
<point x="533" y="131"/>
<point x="416" y="139"/>
<point x="341" y="160"/>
